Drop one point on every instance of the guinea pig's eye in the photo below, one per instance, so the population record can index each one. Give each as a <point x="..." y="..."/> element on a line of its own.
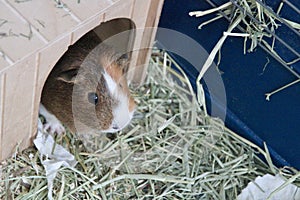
<point x="93" y="98"/>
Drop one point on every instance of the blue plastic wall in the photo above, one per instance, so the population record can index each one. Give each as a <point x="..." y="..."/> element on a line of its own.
<point x="246" y="81"/>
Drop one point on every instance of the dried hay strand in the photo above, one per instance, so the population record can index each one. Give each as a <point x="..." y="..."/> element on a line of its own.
<point x="172" y="151"/>
<point x="257" y="23"/>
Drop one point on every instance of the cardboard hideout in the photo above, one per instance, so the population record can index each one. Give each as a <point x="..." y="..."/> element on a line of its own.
<point x="35" y="34"/>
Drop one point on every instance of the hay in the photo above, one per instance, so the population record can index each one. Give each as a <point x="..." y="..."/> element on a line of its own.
<point x="259" y="24"/>
<point x="171" y="150"/>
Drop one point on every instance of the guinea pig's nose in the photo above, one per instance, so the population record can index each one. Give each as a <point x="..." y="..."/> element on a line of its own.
<point x="115" y="126"/>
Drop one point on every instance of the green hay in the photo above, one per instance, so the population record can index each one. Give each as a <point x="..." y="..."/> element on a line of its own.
<point x="173" y="151"/>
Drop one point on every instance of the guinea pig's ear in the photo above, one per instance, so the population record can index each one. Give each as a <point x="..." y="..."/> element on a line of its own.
<point x="68" y="76"/>
<point x="123" y="62"/>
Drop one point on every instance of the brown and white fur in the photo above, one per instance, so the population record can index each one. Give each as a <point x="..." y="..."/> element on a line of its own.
<point x="88" y="87"/>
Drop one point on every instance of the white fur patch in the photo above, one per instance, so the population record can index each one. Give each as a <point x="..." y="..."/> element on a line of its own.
<point x="111" y="84"/>
<point x="121" y="113"/>
<point x="122" y="116"/>
<point x="52" y="125"/>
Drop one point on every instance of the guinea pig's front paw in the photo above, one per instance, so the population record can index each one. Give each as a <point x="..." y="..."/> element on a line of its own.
<point x="52" y="126"/>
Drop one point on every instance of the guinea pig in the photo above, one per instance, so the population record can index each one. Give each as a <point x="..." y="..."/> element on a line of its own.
<point x="87" y="89"/>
